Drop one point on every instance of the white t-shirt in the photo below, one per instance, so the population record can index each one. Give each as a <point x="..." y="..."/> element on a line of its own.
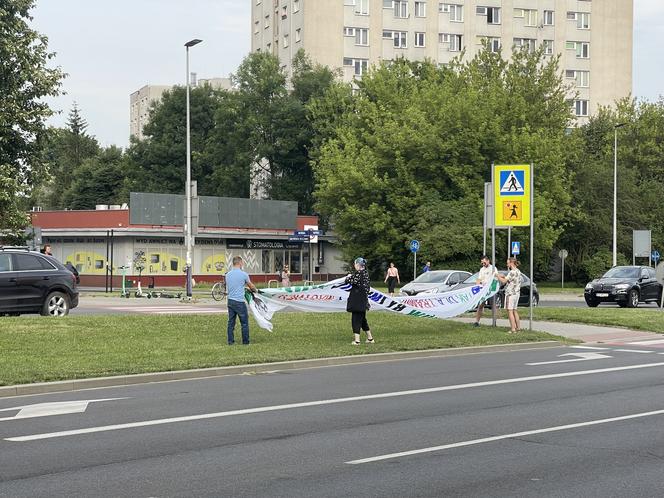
<point x="486" y="274"/>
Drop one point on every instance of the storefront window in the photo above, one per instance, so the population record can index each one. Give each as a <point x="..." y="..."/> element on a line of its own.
<point x="295" y="262"/>
<point x="266" y="262"/>
<point x="278" y="261"/>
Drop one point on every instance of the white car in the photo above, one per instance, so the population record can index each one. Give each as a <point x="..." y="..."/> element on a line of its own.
<point x="435" y="281"/>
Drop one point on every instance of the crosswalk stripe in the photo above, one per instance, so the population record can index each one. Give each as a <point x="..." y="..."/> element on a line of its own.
<point x="647" y="343"/>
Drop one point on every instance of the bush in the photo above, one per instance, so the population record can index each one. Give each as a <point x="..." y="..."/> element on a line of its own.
<point x="600" y="263"/>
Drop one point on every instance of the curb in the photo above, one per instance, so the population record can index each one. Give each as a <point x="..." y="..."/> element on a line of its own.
<point x="202" y="373"/>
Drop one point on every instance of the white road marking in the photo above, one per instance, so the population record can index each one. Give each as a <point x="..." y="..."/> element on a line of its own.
<point x="49" y="409"/>
<point x="263" y="409"/>
<point x="583" y="357"/>
<point x="503" y="436"/>
<point x="590" y="347"/>
<point x="632" y="351"/>
<point x="646" y="343"/>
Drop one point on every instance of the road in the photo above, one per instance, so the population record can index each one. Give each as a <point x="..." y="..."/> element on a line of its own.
<point x="563" y="422"/>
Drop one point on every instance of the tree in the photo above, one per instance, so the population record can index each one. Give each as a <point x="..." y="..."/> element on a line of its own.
<point x="158" y="163"/>
<point x="65" y="150"/>
<point x="98" y="180"/>
<point x="26" y="80"/>
<point x="408" y="153"/>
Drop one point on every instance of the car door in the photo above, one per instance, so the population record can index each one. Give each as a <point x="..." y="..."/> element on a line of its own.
<point x="650" y="281"/>
<point x="8" y="281"/>
<point x="33" y="280"/>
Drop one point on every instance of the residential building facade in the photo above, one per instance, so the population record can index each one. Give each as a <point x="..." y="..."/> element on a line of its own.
<point x="594" y="38"/>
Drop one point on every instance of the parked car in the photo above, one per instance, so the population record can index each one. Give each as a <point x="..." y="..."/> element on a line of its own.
<point x="626" y="285"/>
<point x="31" y="282"/>
<point x="524" y="296"/>
<point x="434" y="281"/>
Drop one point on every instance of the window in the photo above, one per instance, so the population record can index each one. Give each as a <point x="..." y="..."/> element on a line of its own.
<point x="388" y="4"/>
<point x="5" y="262"/>
<point x="349" y="31"/>
<point x="401" y="9"/>
<point x="257" y="27"/>
<point x="27" y="262"/>
<point x="284" y="12"/>
<point x="420" y="9"/>
<point x="583" y="20"/>
<point x="493" y="15"/>
<point x="298" y="35"/>
<point x="296" y="6"/>
<point x="285" y="41"/>
<point x="362" y="7"/>
<point x="548" y="47"/>
<point x="547" y="19"/>
<point x="420" y="40"/>
<point x="455" y="11"/>
<point x="267" y="21"/>
<point x="455" y="41"/>
<point x="582" y="49"/>
<point x="529" y="44"/>
<point x="493" y="42"/>
<point x="399" y="38"/>
<point x="581" y="107"/>
<point x="360" y="66"/>
<point x="582" y="78"/>
<point x="529" y="16"/>
<point x="362" y="36"/>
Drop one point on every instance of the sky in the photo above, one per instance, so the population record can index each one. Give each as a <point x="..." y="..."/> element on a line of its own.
<point x="111" y="49"/>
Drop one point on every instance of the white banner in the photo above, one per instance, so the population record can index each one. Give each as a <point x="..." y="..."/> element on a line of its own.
<point x="331" y="297"/>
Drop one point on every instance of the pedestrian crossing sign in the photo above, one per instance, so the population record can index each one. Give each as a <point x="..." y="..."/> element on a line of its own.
<point x="511" y="184"/>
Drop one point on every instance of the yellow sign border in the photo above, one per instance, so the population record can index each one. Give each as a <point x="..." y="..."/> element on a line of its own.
<point x="498" y="199"/>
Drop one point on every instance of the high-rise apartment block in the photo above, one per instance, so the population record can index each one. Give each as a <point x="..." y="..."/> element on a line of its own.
<point x="593" y="37"/>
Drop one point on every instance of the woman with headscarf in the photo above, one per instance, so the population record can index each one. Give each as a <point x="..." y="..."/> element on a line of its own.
<point x="358" y="300"/>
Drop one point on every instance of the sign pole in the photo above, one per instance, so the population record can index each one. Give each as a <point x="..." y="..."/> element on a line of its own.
<point x="509" y="242"/>
<point x="532" y="239"/>
<point x="414" y="265"/>
<point x="493" y="246"/>
<point x="562" y="276"/>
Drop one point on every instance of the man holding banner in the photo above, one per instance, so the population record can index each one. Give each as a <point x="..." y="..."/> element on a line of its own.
<point x="484" y="277"/>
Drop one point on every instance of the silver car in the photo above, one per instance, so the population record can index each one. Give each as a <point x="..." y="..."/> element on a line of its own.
<point x="434" y="281"/>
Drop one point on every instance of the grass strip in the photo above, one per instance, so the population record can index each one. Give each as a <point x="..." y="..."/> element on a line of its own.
<point x="37" y="349"/>
<point x="636" y="319"/>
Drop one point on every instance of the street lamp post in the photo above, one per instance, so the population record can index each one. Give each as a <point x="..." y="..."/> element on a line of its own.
<point x="615" y="191"/>
<point x="188" y="45"/>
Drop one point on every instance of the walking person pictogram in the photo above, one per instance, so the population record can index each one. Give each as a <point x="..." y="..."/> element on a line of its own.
<point x="513" y="183"/>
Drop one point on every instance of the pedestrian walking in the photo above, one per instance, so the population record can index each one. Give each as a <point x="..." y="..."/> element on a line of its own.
<point x="236" y="281"/>
<point x="358" y="300"/>
<point x="512" y="283"/>
<point x="285" y="276"/>
<point x="484" y="276"/>
<point x="392" y="278"/>
<point x="46" y="250"/>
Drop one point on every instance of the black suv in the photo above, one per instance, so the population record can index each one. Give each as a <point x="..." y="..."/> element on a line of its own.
<point x="31" y="282"/>
<point x="626" y="285"/>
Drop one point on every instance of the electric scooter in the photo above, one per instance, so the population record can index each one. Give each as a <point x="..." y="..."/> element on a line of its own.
<point x="124" y="292"/>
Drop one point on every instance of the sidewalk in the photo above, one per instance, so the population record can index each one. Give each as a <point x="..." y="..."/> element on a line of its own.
<point x="593" y="334"/>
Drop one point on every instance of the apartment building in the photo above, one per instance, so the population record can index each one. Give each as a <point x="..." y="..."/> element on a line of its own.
<point x="141" y="100"/>
<point x="594" y="37"/>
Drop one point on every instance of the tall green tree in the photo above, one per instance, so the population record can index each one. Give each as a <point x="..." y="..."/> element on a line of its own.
<point x="98" y="180"/>
<point x="25" y="80"/>
<point x="409" y="157"/>
<point x="65" y="150"/>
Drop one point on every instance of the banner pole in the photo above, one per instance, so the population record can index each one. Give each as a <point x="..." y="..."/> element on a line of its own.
<point x="532" y="239"/>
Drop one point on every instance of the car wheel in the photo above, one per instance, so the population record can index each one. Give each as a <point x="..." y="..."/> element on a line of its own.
<point x="56" y="304"/>
<point x="535" y="301"/>
<point x="633" y="299"/>
<point x="592" y="303"/>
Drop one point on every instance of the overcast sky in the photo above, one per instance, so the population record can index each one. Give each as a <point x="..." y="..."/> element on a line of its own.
<point x="111" y="49"/>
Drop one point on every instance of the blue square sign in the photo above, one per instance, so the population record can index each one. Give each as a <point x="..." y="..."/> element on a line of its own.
<point x="512" y="182"/>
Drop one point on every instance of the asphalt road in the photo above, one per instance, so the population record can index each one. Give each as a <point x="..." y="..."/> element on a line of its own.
<point x="492" y="424"/>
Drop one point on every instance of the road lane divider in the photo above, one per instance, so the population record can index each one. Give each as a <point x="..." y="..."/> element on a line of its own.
<point x="391" y="456"/>
<point x="306" y="404"/>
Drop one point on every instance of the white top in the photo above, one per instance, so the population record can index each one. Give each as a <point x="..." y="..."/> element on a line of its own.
<point x="486" y="274"/>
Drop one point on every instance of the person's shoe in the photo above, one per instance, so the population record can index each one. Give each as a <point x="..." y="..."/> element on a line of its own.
<point x="355" y="343"/>
<point x="476" y="324"/>
<point x="371" y="341"/>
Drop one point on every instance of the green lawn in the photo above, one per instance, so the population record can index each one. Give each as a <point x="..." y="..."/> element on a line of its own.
<point x="651" y="320"/>
<point x="37" y="349"/>
<point x="554" y="288"/>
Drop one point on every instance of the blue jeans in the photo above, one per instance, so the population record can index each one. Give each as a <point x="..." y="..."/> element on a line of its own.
<point x="239" y="309"/>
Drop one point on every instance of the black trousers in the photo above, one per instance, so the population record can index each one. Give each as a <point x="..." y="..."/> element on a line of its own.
<point x="359" y="321"/>
<point x="391" y="283"/>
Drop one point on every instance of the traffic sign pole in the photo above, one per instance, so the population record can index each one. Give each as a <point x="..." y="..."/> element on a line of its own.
<point x="532" y="240"/>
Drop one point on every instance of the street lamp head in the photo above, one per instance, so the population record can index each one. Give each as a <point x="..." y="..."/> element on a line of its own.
<point x="193" y="42"/>
<point x="619" y="125"/>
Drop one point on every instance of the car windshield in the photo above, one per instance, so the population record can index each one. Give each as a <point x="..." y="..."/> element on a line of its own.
<point x="432" y="277"/>
<point x="623" y="272"/>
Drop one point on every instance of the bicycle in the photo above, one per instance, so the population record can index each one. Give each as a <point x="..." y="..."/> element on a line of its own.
<point x="219" y="292"/>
